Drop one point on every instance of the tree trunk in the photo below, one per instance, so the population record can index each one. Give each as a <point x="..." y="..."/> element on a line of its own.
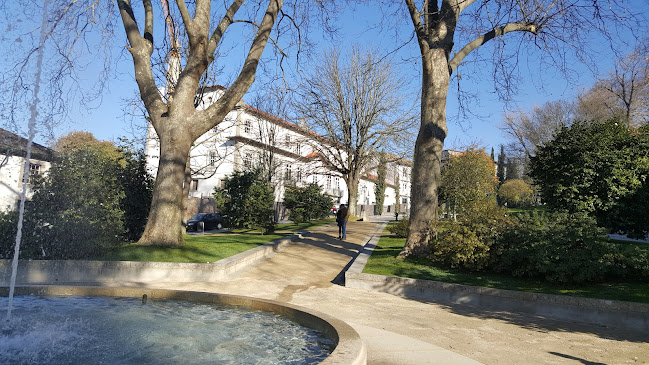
<point x="352" y="195"/>
<point x="428" y="152"/>
<point x="164" y="226"/>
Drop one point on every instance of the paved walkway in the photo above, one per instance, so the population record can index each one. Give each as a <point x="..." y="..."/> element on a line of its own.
<point x="402" y="331"/>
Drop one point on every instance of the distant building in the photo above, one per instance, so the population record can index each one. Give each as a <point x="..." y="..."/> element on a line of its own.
<point x="13" y="149"/>
<point x="249" y="138"/>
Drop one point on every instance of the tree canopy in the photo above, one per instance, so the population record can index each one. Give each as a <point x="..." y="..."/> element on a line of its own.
<point x="595" y="168"/>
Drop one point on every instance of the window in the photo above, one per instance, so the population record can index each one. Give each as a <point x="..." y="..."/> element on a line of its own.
<point x="34" y="169"/>
<point x="287" y="176"/>
<point x="299" y="175"/>
<point x="247" y="160"/>
<point x="298" y="149"/>
<point x="194" y="185"/>
<point x="404" y="201"/>
<point x="247" y="127"/>
<point x="315" y="179"/>
<point x="212" y="161"/>
<point x="328" y="182"/>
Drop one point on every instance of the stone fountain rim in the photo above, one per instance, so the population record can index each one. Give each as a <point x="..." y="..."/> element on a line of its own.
<point x="349" y="348"/>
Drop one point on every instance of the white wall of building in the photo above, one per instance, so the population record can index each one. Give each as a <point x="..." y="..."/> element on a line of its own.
<point x="11" y="174"/>
<point x="246" y="136"/>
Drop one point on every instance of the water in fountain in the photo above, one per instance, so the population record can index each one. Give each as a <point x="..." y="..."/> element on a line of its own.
<point x="32" y="133"/>
<point x="79" y="330"/>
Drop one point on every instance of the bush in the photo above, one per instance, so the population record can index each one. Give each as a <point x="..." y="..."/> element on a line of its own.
<point x="466" y="244"/>
<point x="516" y="193"/>
<point x="307" y="203"/>
<point x="630" y="264"/>
<point x="247" y="201"/>
<point x="399" y="229"/>
<point x="8" y="226"/>
<point x="558" y="247"/>
<point x="597" y="168"/>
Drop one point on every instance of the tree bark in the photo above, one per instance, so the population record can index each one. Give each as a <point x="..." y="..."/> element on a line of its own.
<point x="428" y="152"/>
<point x="166" y="206"/>
<point x="352" y="195"/>
<point x="177" y="122"/>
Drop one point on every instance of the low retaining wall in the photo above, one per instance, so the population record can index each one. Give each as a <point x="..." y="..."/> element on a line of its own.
<point x="74" y="271"/>
<point x="610" y="313"/>
<point x="349" y="349"/>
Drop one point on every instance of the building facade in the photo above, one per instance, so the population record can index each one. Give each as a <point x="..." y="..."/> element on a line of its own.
<point x="250" y="138"/>
<point x="12" y="166"/>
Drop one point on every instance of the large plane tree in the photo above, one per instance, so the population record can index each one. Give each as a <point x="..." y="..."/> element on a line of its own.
<point x="447" y="31"/>
<point x="177" y="121"/>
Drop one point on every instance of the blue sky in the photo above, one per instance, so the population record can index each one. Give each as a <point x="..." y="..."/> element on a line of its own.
<point x="107" y="119"/>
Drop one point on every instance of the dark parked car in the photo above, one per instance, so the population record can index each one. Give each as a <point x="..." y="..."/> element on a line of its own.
<point x="210" y="221"/>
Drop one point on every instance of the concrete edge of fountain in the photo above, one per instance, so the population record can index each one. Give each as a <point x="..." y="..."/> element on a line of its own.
<point x="60" y="272"/>
<point x="349" y="349"/>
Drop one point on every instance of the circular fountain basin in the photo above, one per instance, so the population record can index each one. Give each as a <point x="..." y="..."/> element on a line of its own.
<point x="314" y="337"/>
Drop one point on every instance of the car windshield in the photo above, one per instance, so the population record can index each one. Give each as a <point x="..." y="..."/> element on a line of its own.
<point x="197" y="217"/>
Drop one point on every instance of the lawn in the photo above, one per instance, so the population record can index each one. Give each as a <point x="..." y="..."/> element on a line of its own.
<point x="384" y="262"/>
<point x="207" y="247"/>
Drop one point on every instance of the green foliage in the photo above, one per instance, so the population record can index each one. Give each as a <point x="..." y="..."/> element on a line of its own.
<point x="93" y="196"/>
<point x="466" y="244"/>
<point x="307" y="203"/>
<point x="399" y="229"/>
<point x="75" y="210"/>
<point x="500" y="172"/>
<point x="8" y="225"/>
<point x="247" y="201"/>
<point x="384" y="261"/>
<point x="516" y="193"/>
<point x="379" y="187"/>
<point x="601" y="169"/>
<point x="558" y="247"/>
<point x="466" y="179"/>
<point x="138" y="190"/>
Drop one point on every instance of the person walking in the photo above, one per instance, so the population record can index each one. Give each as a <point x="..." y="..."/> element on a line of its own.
<point x="341" y="219"/>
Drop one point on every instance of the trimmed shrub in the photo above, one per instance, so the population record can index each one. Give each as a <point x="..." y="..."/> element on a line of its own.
<point x="247" y="201"/>
<point x="516" y="193"/>
<point x="399" y="229"/>
<point x="307" y="203"/>
<point x="557" y="247"/>
<point x="466" y="244"/>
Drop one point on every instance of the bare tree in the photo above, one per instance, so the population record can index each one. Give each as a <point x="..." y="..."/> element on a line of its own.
<point x="447" y="31"/>
<point x="176" y="119"/>
<point x="529" y="130"/>
<point x="355" y="107"/>
<point x="623" y="93"/>
<point x="70" y="47"/>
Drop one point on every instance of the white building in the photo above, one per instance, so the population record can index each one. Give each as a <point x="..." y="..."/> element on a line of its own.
<point x="12" y="164"/>
<point x="249" y="137"/>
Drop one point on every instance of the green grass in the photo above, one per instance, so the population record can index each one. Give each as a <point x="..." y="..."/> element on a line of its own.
<point x="208" y="247"/>
<point x="197" y="249"/>
<point x="384" y="262"/>
<point x="517" y="211"/>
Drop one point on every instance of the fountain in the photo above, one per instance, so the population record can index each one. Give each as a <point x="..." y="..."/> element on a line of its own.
<point x="147" y="326"/>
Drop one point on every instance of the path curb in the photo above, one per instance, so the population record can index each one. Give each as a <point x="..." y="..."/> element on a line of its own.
<point x="608" y="313"/>
<point x="73" y="271"/>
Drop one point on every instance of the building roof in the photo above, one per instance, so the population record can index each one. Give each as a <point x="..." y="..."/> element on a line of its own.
<point x="14" y="145"/>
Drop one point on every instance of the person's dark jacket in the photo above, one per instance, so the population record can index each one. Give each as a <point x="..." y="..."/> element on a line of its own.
<point x="341" y="215"/>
